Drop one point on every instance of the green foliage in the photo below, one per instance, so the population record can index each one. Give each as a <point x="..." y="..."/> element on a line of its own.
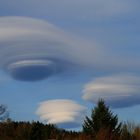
<point x="37" y="131"/>
<point x="101" y="117"/>
<point x="11" y="130"/>
<point x="130" y="131"/>
<point x="102" y="125"/>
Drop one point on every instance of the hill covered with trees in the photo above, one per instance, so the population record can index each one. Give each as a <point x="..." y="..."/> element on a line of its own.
<point x="102" y="125"/>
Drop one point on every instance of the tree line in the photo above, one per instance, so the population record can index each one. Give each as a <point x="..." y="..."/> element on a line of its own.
<point x="101" y="125"/>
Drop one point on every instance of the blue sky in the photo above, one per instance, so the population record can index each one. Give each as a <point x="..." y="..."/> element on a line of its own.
<point x="69" y="53"/>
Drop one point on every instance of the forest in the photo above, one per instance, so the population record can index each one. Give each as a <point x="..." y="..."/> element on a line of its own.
<point x="101" y="125"/>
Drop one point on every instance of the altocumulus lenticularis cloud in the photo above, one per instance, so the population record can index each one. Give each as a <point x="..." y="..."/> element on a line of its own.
<point x="32" y="50"/>
<point x="117" y="90"/>
<point x="64" y="113"/>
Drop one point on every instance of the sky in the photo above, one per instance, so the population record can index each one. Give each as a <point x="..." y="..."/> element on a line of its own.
<point x="58" y="58"/>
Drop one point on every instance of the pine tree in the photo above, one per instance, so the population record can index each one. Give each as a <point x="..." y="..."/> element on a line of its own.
<point x="101" y="117"/>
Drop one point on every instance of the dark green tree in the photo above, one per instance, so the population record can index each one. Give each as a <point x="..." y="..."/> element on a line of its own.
<point x="37" y="131"/>
<point x="101" y="117"/>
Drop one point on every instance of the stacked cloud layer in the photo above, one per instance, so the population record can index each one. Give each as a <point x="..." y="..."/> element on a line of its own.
<point x="64" y="113"/>
<point x="118" y="90"/>
<point x="32" y="50"/>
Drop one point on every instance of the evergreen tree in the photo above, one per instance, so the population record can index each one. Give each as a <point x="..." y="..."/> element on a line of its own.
<point x="37" y="132"/>
<point x="101" y="117"/>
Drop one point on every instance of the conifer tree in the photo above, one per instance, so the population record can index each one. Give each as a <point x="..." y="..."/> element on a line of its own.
<point x="101" y="117"/>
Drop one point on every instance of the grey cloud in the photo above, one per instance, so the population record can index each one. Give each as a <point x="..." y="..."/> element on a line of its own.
<point x="32" y="50"/>
<point x="90" y="8"/>
<point x="70" y="9"/>
<point x="64" y="113"/>
<point x="117" y="90"/>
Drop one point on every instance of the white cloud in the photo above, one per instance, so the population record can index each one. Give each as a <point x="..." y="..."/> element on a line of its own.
<point x="61" y="112"/>
<point x="117" y="90"/>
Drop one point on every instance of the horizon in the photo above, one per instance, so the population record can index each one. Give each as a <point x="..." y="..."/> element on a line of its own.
<point x="58" y="58"/>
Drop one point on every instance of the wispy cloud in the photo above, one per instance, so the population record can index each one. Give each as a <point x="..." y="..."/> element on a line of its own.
<point x="74" y="9"/>
<point x="117" y="90"/>
<point x="64" y="113"/>
<point x="92" y="8"/>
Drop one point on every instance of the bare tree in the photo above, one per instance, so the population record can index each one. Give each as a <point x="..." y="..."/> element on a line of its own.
<point x="4" y="114"/>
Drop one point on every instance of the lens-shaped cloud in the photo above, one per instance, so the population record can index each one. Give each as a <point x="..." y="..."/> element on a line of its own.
<point x="32" y="50"/>
<point x="117" y="91"/>
<point x="64" y="113"/>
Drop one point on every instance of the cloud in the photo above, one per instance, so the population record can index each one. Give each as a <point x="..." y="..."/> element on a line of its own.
<point x="117" y="90"/>
<point x="64" y="113"/>
<point x="32" y="50"/>
<point x="74" y="9"/>
<point x="92" y="8"/>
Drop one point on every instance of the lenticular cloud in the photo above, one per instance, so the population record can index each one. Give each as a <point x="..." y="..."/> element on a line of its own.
<point x="118" y="90"/>
<point x="64" y="113"/>
<point x="33" y="50"/>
